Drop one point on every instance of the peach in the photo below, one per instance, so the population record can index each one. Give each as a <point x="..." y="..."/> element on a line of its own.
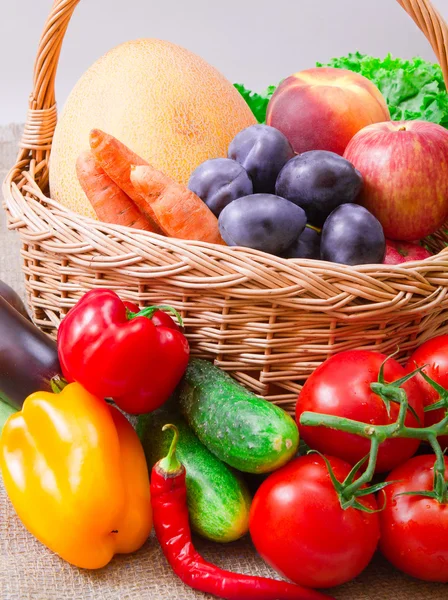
<point x="323" y="108"/>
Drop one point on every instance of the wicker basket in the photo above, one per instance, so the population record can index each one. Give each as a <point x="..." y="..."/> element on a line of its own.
<point x="270" y="321"/>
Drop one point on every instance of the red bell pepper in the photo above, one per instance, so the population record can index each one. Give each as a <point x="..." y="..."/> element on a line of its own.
<point x="159" y="318"/>
<point x="136" y="358"/>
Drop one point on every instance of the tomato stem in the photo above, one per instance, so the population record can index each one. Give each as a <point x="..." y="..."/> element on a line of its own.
<point x="367" y="476"/>
<point x="379" y="433"/>
<point x="440" y="485"/>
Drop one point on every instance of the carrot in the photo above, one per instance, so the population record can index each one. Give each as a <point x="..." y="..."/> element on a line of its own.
<point x="116" y="159"/>
<point x="110" y="203"/>
<point x="180" y="213"/>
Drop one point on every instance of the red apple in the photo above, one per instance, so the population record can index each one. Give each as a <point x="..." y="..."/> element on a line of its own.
<point x="401" y="252"/>
<point x="405" y="170"/>
<point x="323" y="108"/>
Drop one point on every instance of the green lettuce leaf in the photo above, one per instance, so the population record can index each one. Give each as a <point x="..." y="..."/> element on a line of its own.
<point x="258" y="103"/>
<point x="414" y="89"/>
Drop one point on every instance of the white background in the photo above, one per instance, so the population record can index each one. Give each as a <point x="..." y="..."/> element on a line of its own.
<point x="257" y="42"/>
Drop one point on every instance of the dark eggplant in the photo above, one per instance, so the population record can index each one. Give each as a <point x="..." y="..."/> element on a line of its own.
<point x="13" y="298"/>
<point x="28" y="357"/>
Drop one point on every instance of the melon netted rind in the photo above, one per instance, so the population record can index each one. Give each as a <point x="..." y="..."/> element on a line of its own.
<point x="167" y="104"/>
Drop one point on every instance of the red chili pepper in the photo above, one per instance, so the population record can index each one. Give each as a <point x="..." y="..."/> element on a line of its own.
<point x="171" y="524"/>
<point x="135" y="358"/>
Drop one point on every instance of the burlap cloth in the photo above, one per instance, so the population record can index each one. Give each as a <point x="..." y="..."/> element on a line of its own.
<point x="30" y="571"/>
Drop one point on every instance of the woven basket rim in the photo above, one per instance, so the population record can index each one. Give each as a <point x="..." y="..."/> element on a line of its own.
<point x="282" y="263"/>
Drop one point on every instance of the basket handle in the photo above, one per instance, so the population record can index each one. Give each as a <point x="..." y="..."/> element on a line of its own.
<point x="42" y="114"/>
<point x="431" y="22"/>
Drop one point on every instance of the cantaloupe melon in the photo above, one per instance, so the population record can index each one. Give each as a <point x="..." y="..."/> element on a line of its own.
<point x="164" y="102"/>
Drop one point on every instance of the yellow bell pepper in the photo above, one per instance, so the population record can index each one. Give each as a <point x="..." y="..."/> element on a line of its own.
<point x="75" y="472"/>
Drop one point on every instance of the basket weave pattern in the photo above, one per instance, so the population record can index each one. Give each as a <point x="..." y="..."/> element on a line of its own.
<point x="269" y="321"/>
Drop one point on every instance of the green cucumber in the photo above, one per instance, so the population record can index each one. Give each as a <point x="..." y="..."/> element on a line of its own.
<point x="242" y="429"/>
<point x="218" y="499"/>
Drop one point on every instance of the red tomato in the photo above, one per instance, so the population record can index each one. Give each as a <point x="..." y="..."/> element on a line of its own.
<point x="433" y="353"/>
<point x="341" y="386"/>
<point x="299" y="528"/>
<point x="414" y="529"/>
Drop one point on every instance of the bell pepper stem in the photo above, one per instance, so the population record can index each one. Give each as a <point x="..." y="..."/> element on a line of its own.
<point x="171" y="464"/>
<point x="149" y="311"/>
<point x="57" y="384"/>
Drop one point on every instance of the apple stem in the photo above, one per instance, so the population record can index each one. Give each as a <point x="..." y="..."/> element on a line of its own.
<point x="402" y="128"/>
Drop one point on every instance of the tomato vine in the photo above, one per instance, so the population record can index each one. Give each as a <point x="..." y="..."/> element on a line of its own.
<point x="353" y="487"/>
